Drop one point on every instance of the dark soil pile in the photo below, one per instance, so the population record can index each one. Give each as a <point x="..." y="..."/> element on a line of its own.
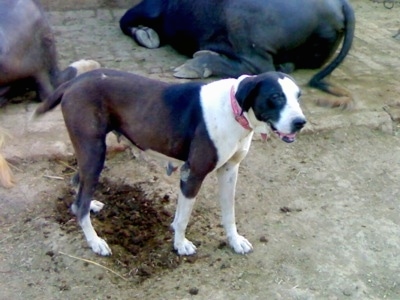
<point x="136" y="228"/>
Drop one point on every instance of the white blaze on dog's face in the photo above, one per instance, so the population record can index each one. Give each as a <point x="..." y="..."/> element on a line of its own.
<point x="291" y="115"/>
<point x="272" y="99"/>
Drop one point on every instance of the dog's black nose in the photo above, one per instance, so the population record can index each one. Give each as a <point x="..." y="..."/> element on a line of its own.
<point x="298" y="123"/>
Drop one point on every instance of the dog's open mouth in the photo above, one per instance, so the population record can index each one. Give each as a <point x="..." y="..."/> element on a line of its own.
<point x="286" y="137"/>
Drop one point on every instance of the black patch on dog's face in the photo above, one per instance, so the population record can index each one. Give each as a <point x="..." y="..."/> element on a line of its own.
<point x="264" y="95"/>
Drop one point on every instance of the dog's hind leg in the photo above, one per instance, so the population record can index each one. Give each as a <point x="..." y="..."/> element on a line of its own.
<point x="90" y="162"/>
<point x="96" y="206"/>
<point x="227" y="177"/>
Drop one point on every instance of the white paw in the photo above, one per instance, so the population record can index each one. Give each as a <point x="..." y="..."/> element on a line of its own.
<point x="185" y="248"/>
<point x="100" y="246"/>
<point x="96" y="206"/>
<point x="240" y="244"/>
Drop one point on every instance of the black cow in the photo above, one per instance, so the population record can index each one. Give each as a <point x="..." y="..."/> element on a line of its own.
<point x="28" y="52"/>
<point x="228" y="38"/>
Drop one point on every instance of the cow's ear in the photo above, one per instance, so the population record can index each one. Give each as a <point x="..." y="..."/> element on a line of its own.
<point x="247" y="92"/>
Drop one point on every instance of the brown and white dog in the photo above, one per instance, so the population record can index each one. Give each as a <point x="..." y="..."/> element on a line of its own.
<point x="207" y="127"/>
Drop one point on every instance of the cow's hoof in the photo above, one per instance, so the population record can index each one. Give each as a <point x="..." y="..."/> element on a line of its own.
<point x="146" y="37"/>
<point x="204" y="52"/>
<point x="191" y="70"/>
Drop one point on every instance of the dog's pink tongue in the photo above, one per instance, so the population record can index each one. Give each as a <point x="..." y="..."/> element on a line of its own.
<point x="288" y="138"/>
<point x="264" y="136"/>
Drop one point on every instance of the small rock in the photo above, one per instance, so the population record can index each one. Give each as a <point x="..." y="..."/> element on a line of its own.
<point x="193" y="291"/>
<point x="347" y="292"/>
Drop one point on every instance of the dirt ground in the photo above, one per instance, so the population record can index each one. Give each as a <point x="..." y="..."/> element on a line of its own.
<point x="322" y="213"/>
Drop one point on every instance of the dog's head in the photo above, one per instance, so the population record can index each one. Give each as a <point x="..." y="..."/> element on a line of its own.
<point x="272" y="99"/>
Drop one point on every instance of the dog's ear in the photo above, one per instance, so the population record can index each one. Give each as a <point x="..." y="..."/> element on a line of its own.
<point x="247" y="92"/>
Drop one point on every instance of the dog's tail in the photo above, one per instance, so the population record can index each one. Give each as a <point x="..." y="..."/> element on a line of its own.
<point x="317" y="80"/>
<point x="53" y="100"/>
<point x="6" y="175"/>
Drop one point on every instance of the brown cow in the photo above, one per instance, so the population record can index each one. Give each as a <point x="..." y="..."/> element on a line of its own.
<point x="28" y="54"/>
<point x="28" y="51"/>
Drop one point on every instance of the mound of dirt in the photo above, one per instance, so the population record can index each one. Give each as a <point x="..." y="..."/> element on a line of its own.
<point x="134" y="225"/>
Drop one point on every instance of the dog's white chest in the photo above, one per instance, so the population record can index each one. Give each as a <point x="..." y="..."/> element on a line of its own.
<point x="231" y="140"/>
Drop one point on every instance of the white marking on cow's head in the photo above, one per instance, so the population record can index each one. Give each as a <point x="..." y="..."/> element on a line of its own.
<point x="84" y="65"/>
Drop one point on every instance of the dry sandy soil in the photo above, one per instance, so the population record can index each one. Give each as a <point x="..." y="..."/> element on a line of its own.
<point x="322" y="213"/>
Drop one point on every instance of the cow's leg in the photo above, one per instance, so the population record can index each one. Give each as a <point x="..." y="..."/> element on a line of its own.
<point x="286" y="67"/>
<point x="3" y="91"/>
<point x="140" y="22"/>
<point x="207" y="63"/>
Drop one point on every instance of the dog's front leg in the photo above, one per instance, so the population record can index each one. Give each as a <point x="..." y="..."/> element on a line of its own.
<point x="227" y="177"/>
<point x="183" y="211"/>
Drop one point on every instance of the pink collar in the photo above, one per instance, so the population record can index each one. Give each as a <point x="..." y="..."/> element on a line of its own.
<point x="238" y="112"/>
<point x="239" y="117"/>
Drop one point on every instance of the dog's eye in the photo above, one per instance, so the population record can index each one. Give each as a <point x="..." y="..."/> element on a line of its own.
<point x="276" y="100"/>
<point x="299" y="94"/>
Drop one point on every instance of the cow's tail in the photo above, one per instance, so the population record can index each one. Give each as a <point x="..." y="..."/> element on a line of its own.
<point x="53" y="100"/>
<point x="6" y="175"/>
<point x="317" y="81"/>
<point x="75" y="69"/>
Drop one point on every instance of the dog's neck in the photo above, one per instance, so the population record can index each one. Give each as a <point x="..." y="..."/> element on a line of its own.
<point x="247" y="120"/>
<point x="238" y="111"/>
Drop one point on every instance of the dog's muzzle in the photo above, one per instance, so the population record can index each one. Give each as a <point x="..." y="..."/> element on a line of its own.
<point x="296" y="126"/>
